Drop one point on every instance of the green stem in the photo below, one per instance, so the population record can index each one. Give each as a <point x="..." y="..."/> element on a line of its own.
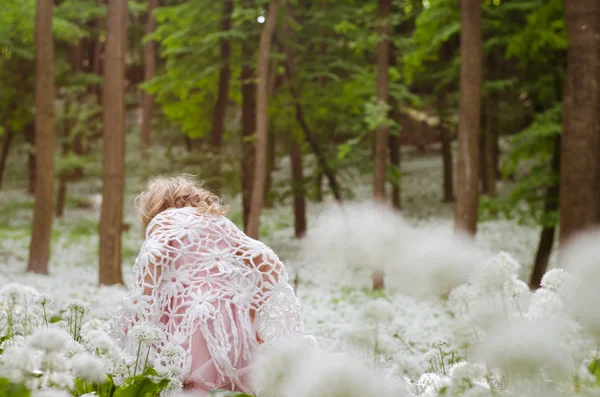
<point x="137" y="358"/>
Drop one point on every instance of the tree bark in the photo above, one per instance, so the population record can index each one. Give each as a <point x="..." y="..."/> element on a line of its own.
<point x="149" y="70"/>
<point x="395" y="162"/>
<point x="298" y="188"/>
<point x="248" y="128"/>
<point x="447" y="162"/>
<point x="260" y="174"/>
<point x="381" y="131"/>
<point x="295" y="144"/>
<point x="469" y="117"/>
<point x="319" y="187"/>
<point x="113" y="166"/>
<point x="8" y="137"/>
<point x="39" y="252"/>
<point x="31" y="171"/>
<point x="548" y="232"/>
<point x="580" y="151"/>
<point x="220" y="111"/>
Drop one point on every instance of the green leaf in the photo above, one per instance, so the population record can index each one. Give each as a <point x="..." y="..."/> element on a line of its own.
<point x="595" y="370"/>
<point x="143" y="385"/>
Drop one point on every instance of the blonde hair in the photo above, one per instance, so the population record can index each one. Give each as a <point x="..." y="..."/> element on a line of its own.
<point x="163" y="193"/>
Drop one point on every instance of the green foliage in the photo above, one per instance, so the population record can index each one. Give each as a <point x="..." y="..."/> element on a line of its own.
<point x="144" y="385"/>
<point x="530" y="157"/>
<point x="10" y="389"/>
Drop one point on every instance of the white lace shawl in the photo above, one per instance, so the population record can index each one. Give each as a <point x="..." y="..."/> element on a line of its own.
<point x="189" y="267"/>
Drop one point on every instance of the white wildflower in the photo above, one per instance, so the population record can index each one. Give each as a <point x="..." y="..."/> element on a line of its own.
<point x="437" y="261"/>
<point x="429" y="384"/>
<point x="524" y="349"/>
<point x="545" y="303"/>
<point x="557" y="281"/>
<point x="49" y="339"/>
<point x="147" y="333"/>
<point x="16" y="362"/>
<point x="89" y="367"/>
<point x="439" y="343"/>
<point x="100" y="343"/>
<point x="495" y="273"/>
<point x="44" y="300"/>
<point x="78" y="306"/>
<point x="95" y="325"/>
<point x="377" y="311"/>
<point x="461" y="297"/>
<point x="61" y="380"/>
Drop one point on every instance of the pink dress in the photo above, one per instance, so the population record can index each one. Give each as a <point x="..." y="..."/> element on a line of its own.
<point x="217" y="295"/>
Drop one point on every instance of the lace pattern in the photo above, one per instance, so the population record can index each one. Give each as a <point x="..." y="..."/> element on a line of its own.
<point x="200" y="273"/>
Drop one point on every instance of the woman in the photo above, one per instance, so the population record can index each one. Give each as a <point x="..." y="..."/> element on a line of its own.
<point x="214" y="291"/>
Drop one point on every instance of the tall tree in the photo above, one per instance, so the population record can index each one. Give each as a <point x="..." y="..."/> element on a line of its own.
<point x="260" y="168"/>
<point x="8" y="136"/>
<point x="295" y="143"/>
<point x="218" y="127"/>
<point x="381" y="131"/>
<point x="580" y="167"/>
<point x="248" y="128"/>
<point x="39" y="252"/>
<point x="298" y="187"/>
<point x="113" y="166"/>
<point x="149" y="69"/>
<point x="471" y="72"/>
<point x="546" y="243"/>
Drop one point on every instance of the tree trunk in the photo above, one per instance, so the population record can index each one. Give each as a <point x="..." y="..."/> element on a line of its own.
<point x="113" y="166"/>
<point x="381" y="131"/>
<point x="295" y="143"/>
<point x="319" y="187"/>
<point x="395" y="162"/>
<point x="31" y="171"/>
<point x="248" y="128"/>
<point x="149" y="69"/>
<point x="298" y="187"/>
<point x="488" y="149"/>
<point x="580" y="151"/>
<point x="220" y="111"/>
<point x="469" y="117"/>
<point x="8" y="136"/>
<point x="547" y="236"/>
<point x="290" y="71"/>
<point x="260" y="174"/>
<point x="447" y="163"/>
<point x="394" y="141"/>
<point x="39" y="252"/>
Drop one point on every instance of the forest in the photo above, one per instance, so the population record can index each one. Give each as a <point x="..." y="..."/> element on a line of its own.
<point x="428" y="171"/>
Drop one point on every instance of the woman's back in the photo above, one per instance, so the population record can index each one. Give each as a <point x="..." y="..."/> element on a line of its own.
<point x="215" y="292"/>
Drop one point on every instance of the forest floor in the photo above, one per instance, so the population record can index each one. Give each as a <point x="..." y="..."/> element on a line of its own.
<point x="330" y="310"/>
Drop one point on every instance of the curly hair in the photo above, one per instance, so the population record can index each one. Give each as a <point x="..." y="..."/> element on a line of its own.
<point x="180" y="191"/>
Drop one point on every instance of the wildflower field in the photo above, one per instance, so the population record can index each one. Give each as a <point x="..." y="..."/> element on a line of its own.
<point x="455" y="317"/>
